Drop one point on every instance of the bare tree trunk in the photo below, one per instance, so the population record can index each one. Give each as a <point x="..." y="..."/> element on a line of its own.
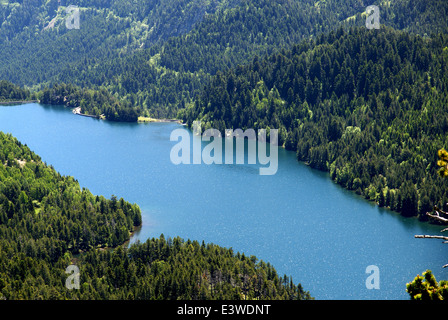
<point x="431" y="237"/>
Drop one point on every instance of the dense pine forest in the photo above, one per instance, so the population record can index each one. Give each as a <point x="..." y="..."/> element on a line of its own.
<point x="99" y="103"/>
<point x="47" y="222"/>
<point x="11" y="92"/>
<point x="158" y="55"/>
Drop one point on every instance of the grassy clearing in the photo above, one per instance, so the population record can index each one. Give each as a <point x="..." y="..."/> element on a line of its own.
<point x="147" y="119"/>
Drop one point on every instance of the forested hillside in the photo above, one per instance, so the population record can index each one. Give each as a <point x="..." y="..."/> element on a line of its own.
<point x="11" y="92"/>
<point x="368" y="106"/>
<point x="158" y="55"/>
<point x="170" y="269"/>
<point x="47" y="222"/>
<point x="99" y="103"/>
<point x="234" y="36"/>
<point x="36" y="46"/>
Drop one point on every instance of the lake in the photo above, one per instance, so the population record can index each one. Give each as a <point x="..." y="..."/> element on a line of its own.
<point x="300" y="221"/>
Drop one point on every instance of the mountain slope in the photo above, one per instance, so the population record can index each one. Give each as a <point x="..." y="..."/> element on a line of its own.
<point x="36" y="45"/>
<point x="159" y="54"/>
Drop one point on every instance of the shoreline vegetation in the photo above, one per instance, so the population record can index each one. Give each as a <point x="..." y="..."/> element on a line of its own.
<point x="149" y="120"/>
<point x="96" y="104"/>
<point x="77" y="111"/>
<point x="140" y="119"/>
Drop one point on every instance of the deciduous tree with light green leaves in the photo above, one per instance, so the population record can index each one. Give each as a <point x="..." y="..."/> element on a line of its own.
<point x="443" y="162"/>
<point x="426" y="287"/>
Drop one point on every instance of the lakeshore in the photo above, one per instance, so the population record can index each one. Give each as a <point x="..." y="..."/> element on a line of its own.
<point x="149" y="120"/>
<point x="141" y="119"/>
<point x="14" y="102"/>
<point x="78" y="112"/>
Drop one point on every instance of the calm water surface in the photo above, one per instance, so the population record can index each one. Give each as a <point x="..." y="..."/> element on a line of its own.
<point x="299" y="220"/>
